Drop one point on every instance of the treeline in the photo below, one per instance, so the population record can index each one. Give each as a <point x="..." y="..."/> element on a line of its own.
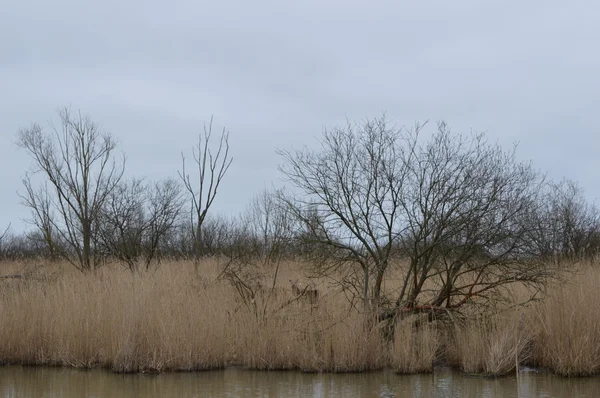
<point x="144" y="234"/>
<point x="145" y="223"/>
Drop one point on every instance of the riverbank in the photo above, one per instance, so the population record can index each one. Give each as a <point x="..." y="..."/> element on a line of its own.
<point x="179" y="318"/>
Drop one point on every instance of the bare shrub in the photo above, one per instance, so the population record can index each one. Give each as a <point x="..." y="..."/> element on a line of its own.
<point x="268" y="225"/>
<point x="254" y="261"/>
<point x="567" y="227"/>
<point x="4" y="236"/>
<point x="136" y="218"/>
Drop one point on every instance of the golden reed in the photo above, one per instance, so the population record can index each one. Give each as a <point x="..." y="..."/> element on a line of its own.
<point x="175" y="318"/>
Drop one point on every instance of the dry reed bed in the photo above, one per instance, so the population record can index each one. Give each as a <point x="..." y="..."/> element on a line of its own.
<point x="173" y="319"/>
<point x="179" y="319"/>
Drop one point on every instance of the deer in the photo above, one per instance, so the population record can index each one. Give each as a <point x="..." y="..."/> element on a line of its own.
<point x="299" y="289"/>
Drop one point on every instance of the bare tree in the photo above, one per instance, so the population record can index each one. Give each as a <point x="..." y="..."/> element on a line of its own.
<point x="351" y="202"/>
<point x="567" y="225"/>
<point x="202" y="189"/>
<point x="164" y="206"/>
<point x="78" y="164"/>
<point x="16" y="247"/>
<point x="3" y="236"/>
<point x="269" y="225"/>
<point x="220" y="236"/>
<point x="259" y="242"/>
<point x="135" y="219"/>
<point x="42" y="215"/>
<point x="123" y="222"/>
<point x="466" y="206"/>
<point x="456" y="207"/>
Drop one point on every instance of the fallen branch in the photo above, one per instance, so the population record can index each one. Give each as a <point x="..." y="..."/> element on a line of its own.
<point x="13" y="276"/>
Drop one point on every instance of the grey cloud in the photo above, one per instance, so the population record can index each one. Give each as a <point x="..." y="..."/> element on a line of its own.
<point x="277" y="73"/>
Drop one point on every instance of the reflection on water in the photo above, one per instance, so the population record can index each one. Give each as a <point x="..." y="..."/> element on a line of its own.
<point x="25" y="382"/>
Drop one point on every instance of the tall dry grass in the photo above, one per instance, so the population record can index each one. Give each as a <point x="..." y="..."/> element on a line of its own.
<point x="177" y="319"/>
<point x="116" y="319"/>
<point x="415" y="349"/>
<point x="490" y="345"/>
<point x="567" y="325"/>
<point x="180" y="317"/>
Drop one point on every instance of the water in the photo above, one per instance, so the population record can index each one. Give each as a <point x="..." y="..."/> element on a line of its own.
<point x="46" y="382"/>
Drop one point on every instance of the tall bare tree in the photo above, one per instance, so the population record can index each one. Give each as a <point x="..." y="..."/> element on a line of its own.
<point x="455" y="207"/>
<point x="466" y="206"/>
<point x="202" y="189"/>
<point x="78" y="163"/>
<point x="351" y="198"/>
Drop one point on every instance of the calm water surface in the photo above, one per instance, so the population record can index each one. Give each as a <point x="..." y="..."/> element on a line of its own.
<point x="40" y="382"/>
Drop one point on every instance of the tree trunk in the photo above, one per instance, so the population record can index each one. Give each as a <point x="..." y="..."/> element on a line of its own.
<point x="87" y="239"/>
<point x="366" y="290"/>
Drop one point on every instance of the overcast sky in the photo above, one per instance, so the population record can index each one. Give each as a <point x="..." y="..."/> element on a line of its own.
<point x="276" y="73"/>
